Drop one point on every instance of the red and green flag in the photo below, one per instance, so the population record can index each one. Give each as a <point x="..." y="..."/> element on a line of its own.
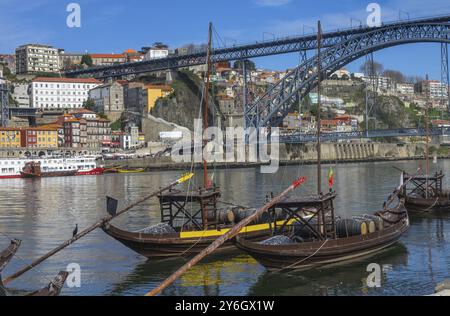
<point x="331" y="178"/>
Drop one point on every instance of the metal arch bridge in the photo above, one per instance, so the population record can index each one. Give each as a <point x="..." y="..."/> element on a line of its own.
<point x="272" y="108"/>
<point x="334" y="137"/>
<point x="261" y="49"/>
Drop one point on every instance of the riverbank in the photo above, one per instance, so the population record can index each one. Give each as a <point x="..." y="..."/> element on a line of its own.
<point x="301" y="154"/>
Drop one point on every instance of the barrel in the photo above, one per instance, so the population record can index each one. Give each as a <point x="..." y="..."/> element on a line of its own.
<point x="223" y="217"/>
<point x="379" y="223"/>
<point x="371" y="226"/>
<point x="241" y="214"/>
<point x="350" y="227"/>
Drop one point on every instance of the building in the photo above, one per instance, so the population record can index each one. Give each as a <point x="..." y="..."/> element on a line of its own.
<point x="10" y="137"/>
<point x="155" y="92"/>
<point x="36" y="58"/>
<point x="405" y="88"/>
<point x="21" y="95"/>
<point x="8" y="61"/>
<point x="133" y="56"/>
<point x="382" y="84"/>
<point x="108" y="98"/>
<point x="69" y="61"/>
<point x="135" y="97"/>
<point x="60" y="93"/>
<point x="156" y="53"/>
<point x="40" y="137"/>
<point x="98" y="133"/>
<point x="75" y="133"/>
<point x="434" y="89"/>
<point x="107" y="59"/>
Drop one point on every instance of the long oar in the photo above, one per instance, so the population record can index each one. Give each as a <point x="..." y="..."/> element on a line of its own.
<point x="221" y="240"/>
<point x="94" y="227"/>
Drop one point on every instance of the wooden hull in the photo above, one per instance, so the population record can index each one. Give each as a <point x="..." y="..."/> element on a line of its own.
<point x="5" y="258"/>
<point x="421" y="205"/>
<point x="300" y="256"/>
<point x="176" y="245"/>
<point x="48" y="174"/>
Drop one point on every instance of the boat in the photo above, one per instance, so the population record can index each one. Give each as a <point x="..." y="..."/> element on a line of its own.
<point x="324" y="238"/>
<point x="192" y="220"/>
<point x="84" y="166"/>
<point x="131" y="170"/>
<point x="5" y="258"/>
<point x="52" y="289"/>
<point x="306" y="244"/>
<point x="425" y="193"/>
<point x="33" y="170"/>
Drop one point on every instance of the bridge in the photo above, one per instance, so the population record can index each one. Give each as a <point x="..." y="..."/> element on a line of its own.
<point x="241" y="52"/>
<point x="298" y="138"/>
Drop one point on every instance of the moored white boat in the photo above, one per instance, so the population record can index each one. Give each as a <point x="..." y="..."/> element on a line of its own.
<point x="12" y="168"/>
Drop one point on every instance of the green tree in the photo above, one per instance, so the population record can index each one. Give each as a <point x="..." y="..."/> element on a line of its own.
<point x="87" y="60"/>
<point x="89" y="104"/>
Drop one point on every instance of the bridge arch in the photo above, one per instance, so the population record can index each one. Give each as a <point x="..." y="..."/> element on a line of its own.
<point x="272" y="108"/>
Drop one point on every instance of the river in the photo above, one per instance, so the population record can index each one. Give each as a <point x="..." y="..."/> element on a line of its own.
<point x="44" y="213"/>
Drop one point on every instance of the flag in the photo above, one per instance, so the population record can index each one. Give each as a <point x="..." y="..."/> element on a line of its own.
<point x="331" y="178"/>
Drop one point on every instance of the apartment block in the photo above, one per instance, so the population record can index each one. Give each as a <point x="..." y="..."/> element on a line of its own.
<point x="35" y="58"/>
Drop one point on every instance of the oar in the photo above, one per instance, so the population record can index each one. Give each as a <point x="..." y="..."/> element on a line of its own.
<point x="99" y="224"/>
<point x="221" y="240"/>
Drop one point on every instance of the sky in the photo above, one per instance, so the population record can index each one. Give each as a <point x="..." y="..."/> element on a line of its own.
<point x="112" y="26"/>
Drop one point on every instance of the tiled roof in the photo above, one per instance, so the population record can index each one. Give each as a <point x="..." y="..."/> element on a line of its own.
<point x="67" y="80"/>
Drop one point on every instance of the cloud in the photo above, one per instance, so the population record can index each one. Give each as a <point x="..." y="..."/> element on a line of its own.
<point x="271" y="3"/>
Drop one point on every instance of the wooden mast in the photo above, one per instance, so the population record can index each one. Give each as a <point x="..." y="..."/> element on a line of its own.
<point x="205" y="105"/>
<point x="319" y="101"/>
<point x="427" y="148"/>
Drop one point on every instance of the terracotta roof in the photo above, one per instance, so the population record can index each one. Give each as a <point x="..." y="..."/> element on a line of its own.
<point x="107" y="56"/>
<point x="82" y="111"/>
<point x="67" y="80"/>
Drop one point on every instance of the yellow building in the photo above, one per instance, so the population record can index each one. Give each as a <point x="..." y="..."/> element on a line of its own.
<point x="9" y="137"/>
<point x="46" y="136"/>
<point x="154" y="92"/>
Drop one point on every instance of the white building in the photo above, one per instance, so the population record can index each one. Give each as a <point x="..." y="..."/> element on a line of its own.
<point x="382" y="83"/>
<point x="35" y="58"/>
<point x="434" y="89"/>
<point x="20" y="95"/>
<point x="2" y="81"/>
<point x="156" y="53"/>
<point x="405" y="88"/>
<point x="60" y="93"/>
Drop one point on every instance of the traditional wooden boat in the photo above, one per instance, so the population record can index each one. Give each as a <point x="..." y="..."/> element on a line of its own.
<point x="189" y="223"/>
<point x="323" y="239"/>
<point x="131" y="170"/>
<point x="425" y="194"/>
<point x="5" y="258"/>
<point x="32" y="170"/>
<point x="53" y="288"/>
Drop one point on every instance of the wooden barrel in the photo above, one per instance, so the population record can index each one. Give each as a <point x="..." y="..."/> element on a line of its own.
<point x="371" y="226"/>
<point x="240" y="214"/>
<point x="350" y="227"/>
<point x="379" y="223"/>
<point x="222" y="217"/>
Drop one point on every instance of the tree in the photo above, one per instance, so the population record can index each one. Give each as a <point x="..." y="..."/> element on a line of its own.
<point x="89" y="104"/>
<point x="160" y="45"/>
<point x="248" y="63"/>
<point x="395" y="75"/>
<point x="372" y="70"/>
<point x="87" y="60"/>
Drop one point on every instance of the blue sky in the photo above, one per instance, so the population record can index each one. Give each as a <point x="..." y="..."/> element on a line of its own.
<point x="116" y="25"/>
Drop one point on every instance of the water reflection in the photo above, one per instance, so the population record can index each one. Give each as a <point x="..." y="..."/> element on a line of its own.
<point x="44" y="213"/>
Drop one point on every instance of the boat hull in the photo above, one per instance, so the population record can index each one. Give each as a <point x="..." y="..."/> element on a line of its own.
<point x="312" y="254"/>
<point x="173" y="245"/>
<point x="94" y="172"/>
<point x="48" y="174"/>
<point x="421" y="205"/>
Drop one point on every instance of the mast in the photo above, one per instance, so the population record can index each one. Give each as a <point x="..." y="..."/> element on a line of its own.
<point x="427" y="147"/>
<point x="319" y="101"/>
<point x="205" y="104"/>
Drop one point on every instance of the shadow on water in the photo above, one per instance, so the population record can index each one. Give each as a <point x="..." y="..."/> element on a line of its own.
<point x="344" y="279"/>
<point x="219" y="275"/>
